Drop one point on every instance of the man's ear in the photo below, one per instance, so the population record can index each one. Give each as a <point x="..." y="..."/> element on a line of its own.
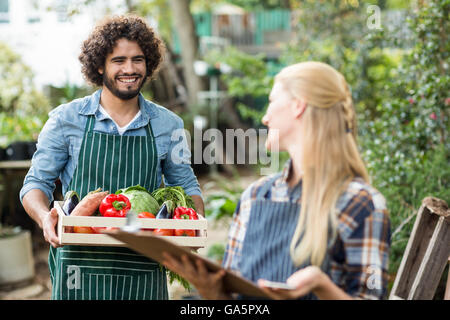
<point x="100" y="70"/>
<point x="298" y="107"/>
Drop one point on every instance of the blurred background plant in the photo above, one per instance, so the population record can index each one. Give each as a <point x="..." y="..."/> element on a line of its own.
<point x="23" y="108"/>
<point x="248" y="84"/>
<point x="406" y="145"/>
<point x="222" y="197"/>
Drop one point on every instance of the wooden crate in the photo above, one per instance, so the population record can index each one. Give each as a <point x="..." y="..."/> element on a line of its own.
<point x="98" y="239"/>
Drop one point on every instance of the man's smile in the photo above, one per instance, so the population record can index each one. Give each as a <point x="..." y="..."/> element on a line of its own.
<point x="128" y="79"/>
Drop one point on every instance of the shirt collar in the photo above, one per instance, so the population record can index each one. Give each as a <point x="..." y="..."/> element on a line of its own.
<point x="91" y="104"/>
<point x="281" y="182"/>
<point x="285" y="172"/>
<point x="281" y="187"/>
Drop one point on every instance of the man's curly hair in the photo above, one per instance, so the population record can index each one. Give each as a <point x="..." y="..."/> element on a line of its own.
<point x="103" y="39"/>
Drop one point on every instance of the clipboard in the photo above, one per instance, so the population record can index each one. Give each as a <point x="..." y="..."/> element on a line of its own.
<point x="152" y="246"/>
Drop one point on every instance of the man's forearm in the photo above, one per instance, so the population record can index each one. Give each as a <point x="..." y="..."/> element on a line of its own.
<point x="199" y="206"/>
<point x="36" y="204"/>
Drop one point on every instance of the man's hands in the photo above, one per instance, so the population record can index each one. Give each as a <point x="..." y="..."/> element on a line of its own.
<point x="48" y="226"/>
<point x="36" y="203"/>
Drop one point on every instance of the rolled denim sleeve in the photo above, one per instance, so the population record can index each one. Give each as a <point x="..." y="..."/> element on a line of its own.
<point x="49" y="159"/>
<point x="177" y="168"/>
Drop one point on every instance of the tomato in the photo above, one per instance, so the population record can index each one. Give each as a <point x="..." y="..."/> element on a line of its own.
<point x="164" y="232"/>
<point x="146" y="215"/>
<point x="83" y="229"/>
<point x="184" y="233"/>
<point x="99" y="229"/>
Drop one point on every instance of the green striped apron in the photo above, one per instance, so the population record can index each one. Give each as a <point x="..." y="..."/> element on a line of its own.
<point x="101" y="273"/>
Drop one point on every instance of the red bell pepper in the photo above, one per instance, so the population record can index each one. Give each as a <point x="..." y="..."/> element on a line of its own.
<point x="188" y="214"/>
<point x="115" y="205"/>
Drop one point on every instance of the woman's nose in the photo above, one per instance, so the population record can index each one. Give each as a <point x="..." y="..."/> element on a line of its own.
<point x="265" y="120"/>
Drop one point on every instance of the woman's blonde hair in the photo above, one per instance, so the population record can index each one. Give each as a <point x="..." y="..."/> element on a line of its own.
<point x="330" y="153"/>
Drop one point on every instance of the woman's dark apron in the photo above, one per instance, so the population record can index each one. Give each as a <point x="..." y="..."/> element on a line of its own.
<point x="111" y="162"/>
<point x="271" y="226"/>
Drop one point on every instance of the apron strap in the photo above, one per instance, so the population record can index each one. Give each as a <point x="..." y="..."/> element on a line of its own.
<point x="90" y="123"/>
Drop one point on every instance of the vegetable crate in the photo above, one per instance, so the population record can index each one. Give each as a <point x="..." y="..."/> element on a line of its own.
<point x="98" y="239"/>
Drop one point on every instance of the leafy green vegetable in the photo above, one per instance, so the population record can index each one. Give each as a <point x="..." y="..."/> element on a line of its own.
<point x="175" y="194"/>
<point x="174" y="197"/>
<point x="172" y="277"/>
<point x="141" y="200"/>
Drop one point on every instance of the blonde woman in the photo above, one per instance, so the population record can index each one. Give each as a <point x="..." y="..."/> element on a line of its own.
<point x="318" y="225"/>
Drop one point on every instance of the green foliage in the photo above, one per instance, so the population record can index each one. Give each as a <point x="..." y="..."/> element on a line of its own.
<point x="249" y="83"/>
<point x="67" y="93"/>
<point x="251" y="5"/>
<point x="407" y="148"/>
<point x="222" y="203"/>
<point x="23" y="109"/>
<point x="18" y="96"/>
<point x="216" y="251"/>
<point x="405" y="183"/>
<point x="14" y="128"/>
<point x="335" y="32"/>
<point x="250" y="72"/>
<point x="172" y="277"/>
<point x="160" y="11"/>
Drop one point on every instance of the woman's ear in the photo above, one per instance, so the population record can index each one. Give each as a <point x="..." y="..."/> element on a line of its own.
<point x="298" y="106"/>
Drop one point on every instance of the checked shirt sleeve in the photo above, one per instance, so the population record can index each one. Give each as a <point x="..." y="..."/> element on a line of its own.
<point x="364" y="228"/>
<point x="236" y="235"/>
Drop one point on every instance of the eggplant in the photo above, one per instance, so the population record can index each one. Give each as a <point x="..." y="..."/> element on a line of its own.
<point x="166" y="210"/>
<point x="71" y="199"/>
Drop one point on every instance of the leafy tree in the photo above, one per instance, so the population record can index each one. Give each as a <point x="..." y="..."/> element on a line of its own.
<point x="336" y="32"/>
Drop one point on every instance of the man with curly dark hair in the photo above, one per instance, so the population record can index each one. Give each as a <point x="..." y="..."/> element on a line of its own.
<point x="112" y="139"/>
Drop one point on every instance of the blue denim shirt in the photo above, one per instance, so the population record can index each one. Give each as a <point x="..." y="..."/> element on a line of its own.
<point x="60" y="140"/>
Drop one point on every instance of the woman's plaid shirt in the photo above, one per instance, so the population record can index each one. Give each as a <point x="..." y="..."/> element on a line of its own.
<point x="359" y="263"/>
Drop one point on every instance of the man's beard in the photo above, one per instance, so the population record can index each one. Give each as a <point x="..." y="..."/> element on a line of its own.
<point x="123" y="95"/>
